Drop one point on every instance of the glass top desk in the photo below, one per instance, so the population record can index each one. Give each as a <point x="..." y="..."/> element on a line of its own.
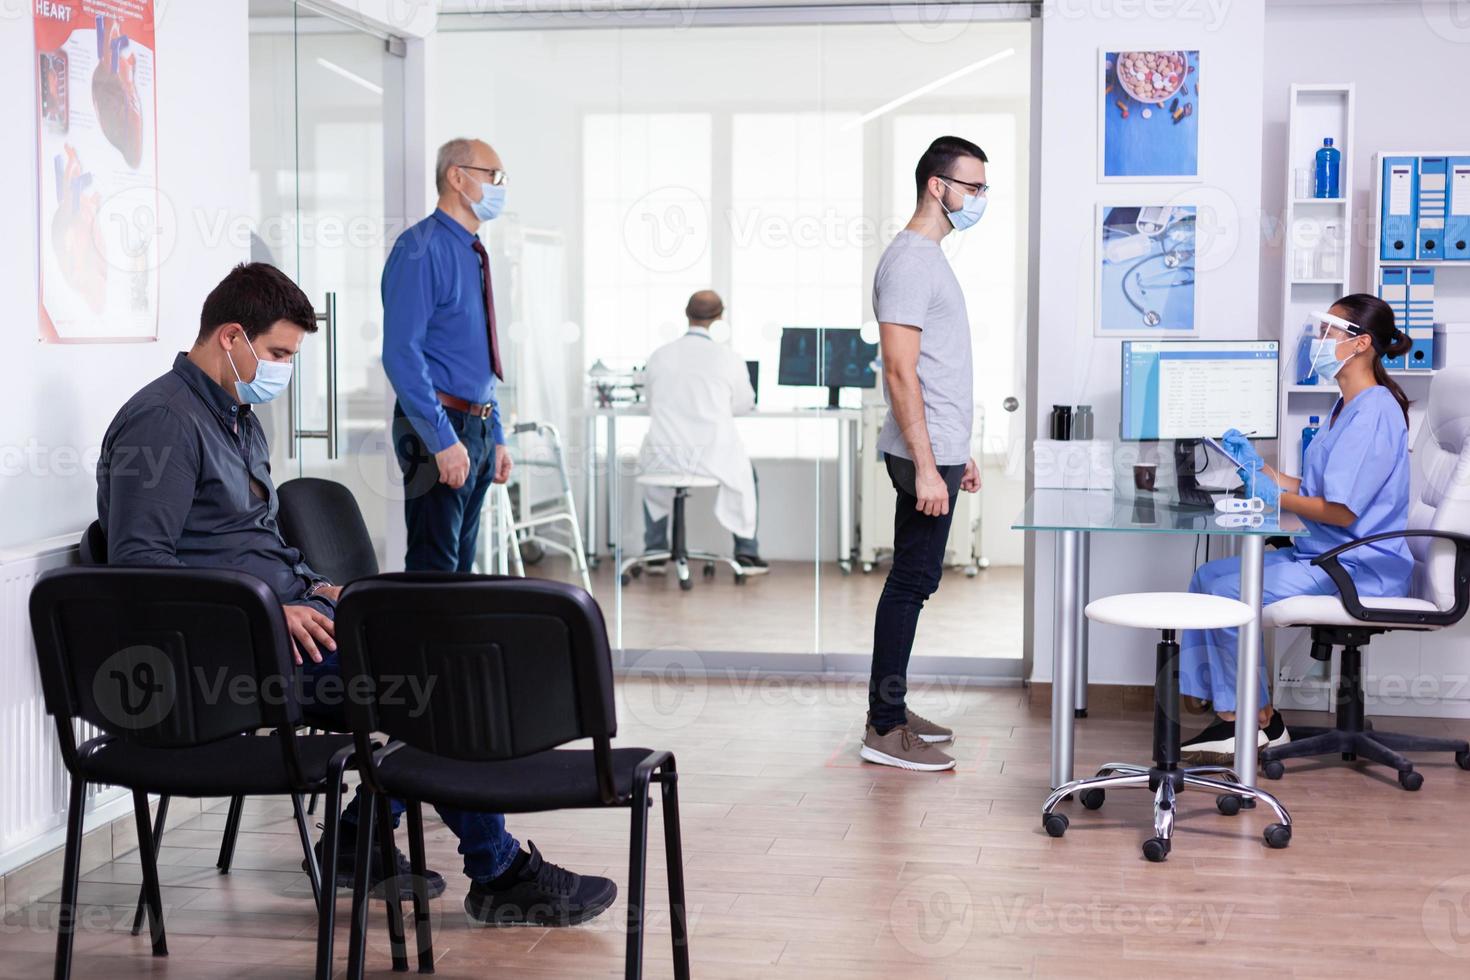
<point x="1073" y="516"/>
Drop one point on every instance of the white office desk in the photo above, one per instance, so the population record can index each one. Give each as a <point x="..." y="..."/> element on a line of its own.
<point x="850" y="419"/>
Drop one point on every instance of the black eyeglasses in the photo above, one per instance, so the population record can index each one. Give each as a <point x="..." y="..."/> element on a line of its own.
<point x="497" y="177"/>
<point x="979" y="188"/>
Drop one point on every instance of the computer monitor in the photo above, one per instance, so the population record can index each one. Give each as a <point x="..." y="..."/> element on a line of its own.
<point x="845" y="360"/>
<point x="1194" y="389"/>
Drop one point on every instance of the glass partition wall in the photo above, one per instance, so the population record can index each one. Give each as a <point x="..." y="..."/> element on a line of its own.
<point x="772" y="165"/>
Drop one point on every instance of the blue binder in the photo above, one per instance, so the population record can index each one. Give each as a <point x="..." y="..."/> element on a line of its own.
<point x="1397" y="222"/>
<point x="1393" y="289"/>
<point x="1457" y="209"/>
<point x="1431" y="208"/>
<point x="1420" y="321"/>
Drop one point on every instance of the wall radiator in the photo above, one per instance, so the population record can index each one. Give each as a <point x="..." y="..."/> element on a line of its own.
<point x="33" y="782"/>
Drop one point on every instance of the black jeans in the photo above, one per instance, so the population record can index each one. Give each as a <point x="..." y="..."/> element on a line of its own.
<point x="918" y="561"/>
<point x="443" y="524"/>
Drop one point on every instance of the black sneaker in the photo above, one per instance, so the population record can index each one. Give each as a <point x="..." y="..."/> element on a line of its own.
<point x="753" y="564"/>
<point x="347" y="865"/>
<point x="1275" y="732"/>
<point x="1216" y="743"/>
<point x="541" y="894"/>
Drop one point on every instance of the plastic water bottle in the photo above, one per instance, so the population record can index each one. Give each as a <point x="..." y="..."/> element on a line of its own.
<point x="1328" y="160"/>
<point x="1309" y="432"/>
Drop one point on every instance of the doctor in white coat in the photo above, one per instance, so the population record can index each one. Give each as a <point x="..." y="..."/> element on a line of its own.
<point x="695" y="387"/>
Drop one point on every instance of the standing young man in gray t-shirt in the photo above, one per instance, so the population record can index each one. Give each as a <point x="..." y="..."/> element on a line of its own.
<point x="928" y="380"/>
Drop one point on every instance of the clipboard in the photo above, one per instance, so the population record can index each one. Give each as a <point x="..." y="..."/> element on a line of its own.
<point x="1217" y="447"/>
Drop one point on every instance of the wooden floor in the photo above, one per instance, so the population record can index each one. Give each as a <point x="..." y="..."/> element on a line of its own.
<point x="806" y="608"/>
<point x="802" y="861"/>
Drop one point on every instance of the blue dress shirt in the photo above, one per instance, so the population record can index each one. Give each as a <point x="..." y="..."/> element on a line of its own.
<point x="434" y="331"/>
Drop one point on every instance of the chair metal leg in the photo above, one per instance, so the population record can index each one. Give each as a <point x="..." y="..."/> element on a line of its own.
<point x="357" y="942"/>
<point x="331" y="840"/>
<point x="674" y="860"/>
<point x="303" y="830"/>
<point x="70" y="872"/>
<point x="1373" y="750"/>
<point x="1121" y="768"/>
<point x="311" y="803"/>
<point x="157" y="846"/>
<point x="1164" y="811"/>
<point x="637" y="865"/>
<point x="232" y="831"/>
<point x="423" y="934"/>
<point x="1096" y="782"/>
<point x="147" y="855"/>
<point x="1221" y="788"/>
<point x="396" y="941"/>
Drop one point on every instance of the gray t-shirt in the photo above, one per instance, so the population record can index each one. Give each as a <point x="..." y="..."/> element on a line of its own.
<point x="915" y="286"/>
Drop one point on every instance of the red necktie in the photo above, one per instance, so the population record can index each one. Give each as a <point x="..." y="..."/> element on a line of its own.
<point x="489" y="308"/>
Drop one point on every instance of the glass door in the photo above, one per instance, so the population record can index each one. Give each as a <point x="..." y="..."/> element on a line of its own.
<point x="320" y="91"/>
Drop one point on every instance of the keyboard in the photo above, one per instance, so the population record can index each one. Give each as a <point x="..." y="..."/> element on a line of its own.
<point x="1193" y="498"/>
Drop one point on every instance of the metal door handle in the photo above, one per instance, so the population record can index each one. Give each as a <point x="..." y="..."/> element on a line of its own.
<point x="328" y="318"/>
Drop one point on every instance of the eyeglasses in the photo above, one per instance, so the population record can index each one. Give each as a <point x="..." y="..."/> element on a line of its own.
<point x="1331" y="327"/>
<point x="979" y="188"/>
<point x="497" y="177"/>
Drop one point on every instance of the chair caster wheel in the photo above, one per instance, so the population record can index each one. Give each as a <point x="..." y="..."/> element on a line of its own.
<point x="1055" y="824"/>
<point x="740" y="578"/>
<point x="627" y="579"/>
<point x="1156" y="849"/>
<point x="1273" y="770"/>
<point x="1462" y="759"/>
<point x="1228" y="805"/>
<point x="1411" y="780"/>
<point x="636" y="571"/>
<point x="1277" y="835"/>
<point x="709" y="570"/>
<point x="1093" y="798"/>
<point x="686" y="584"/>
<point x="867" y="568"/>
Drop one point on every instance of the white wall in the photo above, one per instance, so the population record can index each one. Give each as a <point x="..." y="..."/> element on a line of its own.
<point x="57" y="399"/>
<point x="1075" y="367"/>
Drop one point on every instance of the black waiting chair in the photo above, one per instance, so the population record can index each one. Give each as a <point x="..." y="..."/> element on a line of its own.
<point x="1438" y="536"/>
<point x="142" y="655"/>
<point x="513" y="668"/>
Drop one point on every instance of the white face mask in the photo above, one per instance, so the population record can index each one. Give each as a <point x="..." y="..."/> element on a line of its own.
<point x="271" y="378"/>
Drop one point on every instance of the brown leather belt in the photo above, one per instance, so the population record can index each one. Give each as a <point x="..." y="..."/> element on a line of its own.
<point x="469" y="408"/>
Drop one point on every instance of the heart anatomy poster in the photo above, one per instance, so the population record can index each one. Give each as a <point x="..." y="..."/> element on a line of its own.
<point x="99" y="203"/>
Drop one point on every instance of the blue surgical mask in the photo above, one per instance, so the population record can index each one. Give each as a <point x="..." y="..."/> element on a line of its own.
<point x="969" y="212"/>
<point x="1324" y="357"/>
<point x="271" y="378"/>
<point x="490" y="204"/>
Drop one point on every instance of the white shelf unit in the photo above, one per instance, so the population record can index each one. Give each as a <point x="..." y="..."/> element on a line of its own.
<point x="1315" y="111"/>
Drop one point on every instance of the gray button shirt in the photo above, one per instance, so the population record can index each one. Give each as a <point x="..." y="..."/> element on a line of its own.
<point x="184" y="479"/>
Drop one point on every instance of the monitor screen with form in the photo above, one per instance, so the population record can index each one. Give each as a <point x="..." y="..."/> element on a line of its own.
<point x="1192" y="389"/>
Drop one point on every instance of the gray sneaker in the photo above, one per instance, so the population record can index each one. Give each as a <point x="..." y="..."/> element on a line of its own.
<point x="903" y="749"/>
<point x="928" y="730"/>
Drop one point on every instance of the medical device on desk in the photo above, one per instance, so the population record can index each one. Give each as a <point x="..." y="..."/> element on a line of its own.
<point x="1192" y="390"/>
<point x="611" y="386"/>
<point x="1157" y="246"/>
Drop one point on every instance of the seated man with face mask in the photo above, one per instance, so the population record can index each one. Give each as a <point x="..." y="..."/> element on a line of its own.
<point x="695" y="387"/>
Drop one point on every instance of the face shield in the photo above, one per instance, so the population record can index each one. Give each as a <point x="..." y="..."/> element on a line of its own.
<point x="1335" y="328"/>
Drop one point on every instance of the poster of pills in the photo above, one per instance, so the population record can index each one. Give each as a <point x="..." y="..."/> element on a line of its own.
<point x="99" y="207"/>
<point x="1150" y="115"/>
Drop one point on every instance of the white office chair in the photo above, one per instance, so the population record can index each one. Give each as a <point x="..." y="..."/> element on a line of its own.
<point x="679" y="553"/>
<point x="1167" y="612"/>
<point x="1439" y="537"/>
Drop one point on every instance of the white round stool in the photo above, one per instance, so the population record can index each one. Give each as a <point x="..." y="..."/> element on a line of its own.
<point x="1167" y="612"/>
<point x="678" y="552"/>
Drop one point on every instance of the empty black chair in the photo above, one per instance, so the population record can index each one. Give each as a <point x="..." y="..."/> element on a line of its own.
<point x="512" y="668"/>
<point x="321" y="519"/>
<point x="176" y="668"/>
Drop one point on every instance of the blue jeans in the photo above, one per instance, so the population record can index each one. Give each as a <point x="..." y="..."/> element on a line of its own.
<point x="918" y="562"/>
<point x="487" y="847"/>
<point x="443" y="523"/>
<point x="656" y="532"/>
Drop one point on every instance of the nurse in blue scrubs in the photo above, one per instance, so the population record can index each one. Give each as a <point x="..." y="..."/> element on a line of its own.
<point x="1355" y="484"/>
